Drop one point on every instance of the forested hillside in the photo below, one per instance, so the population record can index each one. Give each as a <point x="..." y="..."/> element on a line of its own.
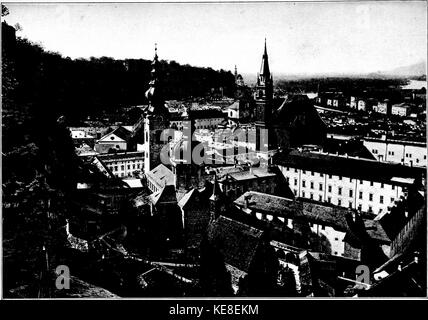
<point x="57" y="84"/>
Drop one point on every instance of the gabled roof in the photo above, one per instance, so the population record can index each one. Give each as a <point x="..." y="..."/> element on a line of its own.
<point x="237" y="242"/>
<point x="121" y="132"/>
<point x="162" y="175"/>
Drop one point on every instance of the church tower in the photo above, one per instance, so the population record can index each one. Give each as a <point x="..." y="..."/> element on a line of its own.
<point x="156" y="119"/>
<point x="264" y="101"/>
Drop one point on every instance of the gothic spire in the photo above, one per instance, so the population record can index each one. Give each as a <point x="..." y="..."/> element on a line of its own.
<point x="264" y="69"/>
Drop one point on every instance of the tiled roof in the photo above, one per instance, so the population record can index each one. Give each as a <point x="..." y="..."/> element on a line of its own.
<point x="301" y="209"/>
<point x="375" y="231"/>
<point x="369" y="170"/>
<point x="237" y="242"/>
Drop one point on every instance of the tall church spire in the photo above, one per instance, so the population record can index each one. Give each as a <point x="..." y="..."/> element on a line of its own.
<point x="264" y="101"/>
<point x="264" y="69"/>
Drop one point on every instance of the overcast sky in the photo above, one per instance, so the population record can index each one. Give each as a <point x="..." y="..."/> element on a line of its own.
<point x="311" y="38"/>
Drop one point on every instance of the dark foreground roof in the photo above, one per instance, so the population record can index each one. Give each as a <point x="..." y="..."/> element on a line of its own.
<point x="237" y="241"/>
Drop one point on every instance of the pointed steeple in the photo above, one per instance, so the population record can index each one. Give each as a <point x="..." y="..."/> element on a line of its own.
<point x="264" y="69"/>
<point x="154" y="93"/>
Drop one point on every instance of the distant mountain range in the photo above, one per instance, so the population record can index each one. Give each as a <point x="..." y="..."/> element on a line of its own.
<point x="416" y="70"/>
<point x="413" y="70"/>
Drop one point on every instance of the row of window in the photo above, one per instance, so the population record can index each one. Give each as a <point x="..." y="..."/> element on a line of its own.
<point x="339" y="201"/>
<point x="119" y="162"/>
<point x="339" y="189"/>
<point x="115" y="168"/>
<point x="382" y="185"/>
<point x="391" y="153"/>
<point x="122" y="174"/>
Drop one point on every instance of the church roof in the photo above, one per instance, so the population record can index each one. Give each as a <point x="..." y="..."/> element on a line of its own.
<point x="297" y="107"/>
<point x="121" y="132"/>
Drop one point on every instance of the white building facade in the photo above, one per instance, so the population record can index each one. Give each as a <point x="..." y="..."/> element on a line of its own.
<point x="366" y="192"/>
<point x="397" y="151"/>
<point x="123" y="164"/>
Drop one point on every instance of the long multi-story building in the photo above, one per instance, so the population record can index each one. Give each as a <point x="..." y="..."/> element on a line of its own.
<point x="123" y="164"/>
<point x="362" y="184"/>
<point x="410" y="153"/>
